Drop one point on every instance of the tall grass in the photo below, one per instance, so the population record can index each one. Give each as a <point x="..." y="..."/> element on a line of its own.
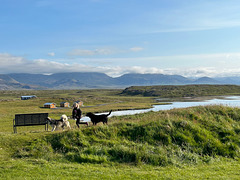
<point x="175" y="137"/>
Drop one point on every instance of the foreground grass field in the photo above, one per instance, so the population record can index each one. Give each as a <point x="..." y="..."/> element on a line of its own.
<point x="192" y="143"/>
<point x="39" y="169"/>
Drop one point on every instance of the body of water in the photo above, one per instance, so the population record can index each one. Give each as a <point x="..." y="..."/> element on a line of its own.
<point x="232" y="101"/>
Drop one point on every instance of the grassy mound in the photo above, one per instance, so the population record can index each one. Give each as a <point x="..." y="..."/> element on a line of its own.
<point x="175" y="137"/>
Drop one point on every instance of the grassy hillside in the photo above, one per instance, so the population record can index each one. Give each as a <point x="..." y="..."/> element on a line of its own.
<point x="183" y="91"/>
<point x="156" y="138"/>
<point x="182" y="139"/>
<point x="193" y="143"/>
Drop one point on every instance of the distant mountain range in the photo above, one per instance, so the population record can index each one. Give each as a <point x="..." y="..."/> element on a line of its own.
<point x="91" y="80"/>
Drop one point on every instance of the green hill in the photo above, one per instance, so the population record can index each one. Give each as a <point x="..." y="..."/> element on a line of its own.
<point x="171" y="91"/>
<point x="192" y="143"/>
<point x="186" y="136"/>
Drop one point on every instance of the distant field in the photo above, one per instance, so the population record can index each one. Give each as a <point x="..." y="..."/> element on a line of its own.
<point x="192" y="143"/>
<point x="94" y="101"/>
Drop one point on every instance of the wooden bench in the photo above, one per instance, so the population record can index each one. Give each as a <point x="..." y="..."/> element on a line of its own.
<point x="34" y="119"/>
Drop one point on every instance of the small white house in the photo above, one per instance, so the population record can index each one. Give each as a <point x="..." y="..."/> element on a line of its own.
<point x="28" y="97"/>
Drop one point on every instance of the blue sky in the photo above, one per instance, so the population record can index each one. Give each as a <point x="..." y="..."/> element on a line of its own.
<point x="186" y="37"/>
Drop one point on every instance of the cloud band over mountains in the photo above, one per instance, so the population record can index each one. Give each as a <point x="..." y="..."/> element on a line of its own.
<point x="217" y="65"/>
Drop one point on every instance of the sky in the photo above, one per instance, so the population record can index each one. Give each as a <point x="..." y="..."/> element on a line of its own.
<point x="184" y="37"/>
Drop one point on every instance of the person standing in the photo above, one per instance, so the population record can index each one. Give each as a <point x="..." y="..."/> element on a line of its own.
<point x="76" y="113"/>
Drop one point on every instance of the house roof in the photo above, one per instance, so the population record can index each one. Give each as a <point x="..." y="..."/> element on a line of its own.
<point x="48" y="103"/>
<point x="29" y="96"/>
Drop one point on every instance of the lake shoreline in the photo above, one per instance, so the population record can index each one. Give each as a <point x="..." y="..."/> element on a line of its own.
<point x="214" y="100"/>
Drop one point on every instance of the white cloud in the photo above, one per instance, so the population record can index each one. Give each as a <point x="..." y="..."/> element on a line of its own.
<point x="136" y="49"/>
<point x="87" y="52"/>
<point x="220" y="65"/>
<point x="7" y="59"/>
<point x="81" y="52"/>
<point x="102" y="51"/>
<point x="51" y="54"/>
